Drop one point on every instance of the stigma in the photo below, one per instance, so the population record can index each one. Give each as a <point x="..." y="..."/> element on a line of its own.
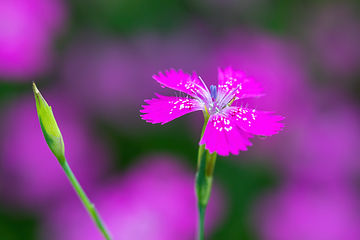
<point x="213" y="92"/>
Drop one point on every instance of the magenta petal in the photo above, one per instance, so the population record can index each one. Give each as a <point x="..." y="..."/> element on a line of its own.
<point x="230" y="79"/>
<point x="223" y="136"/>
<point x="165" y="109"/>
<point x="183" y="82"/>
<point x="255" y="122"/>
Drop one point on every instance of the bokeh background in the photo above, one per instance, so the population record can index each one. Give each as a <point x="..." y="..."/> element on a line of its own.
<point x="93" y="61"/>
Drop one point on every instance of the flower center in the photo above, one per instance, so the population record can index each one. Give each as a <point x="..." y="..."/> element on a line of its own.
<point x="217" y="102"/>
<point x="212" y="106"/>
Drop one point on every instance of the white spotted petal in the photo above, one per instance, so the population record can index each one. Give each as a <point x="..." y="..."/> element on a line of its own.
<point x="165" y="109"/>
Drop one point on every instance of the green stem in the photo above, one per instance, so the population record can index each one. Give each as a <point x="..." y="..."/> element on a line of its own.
<point x="201" y="222"/>
<point x="203" y="180"/>
<point x="84" y="199"/>
<point x="203" y="184"/>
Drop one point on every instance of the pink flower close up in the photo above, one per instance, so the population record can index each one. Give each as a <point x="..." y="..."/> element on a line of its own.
<point x="229" y="127"/>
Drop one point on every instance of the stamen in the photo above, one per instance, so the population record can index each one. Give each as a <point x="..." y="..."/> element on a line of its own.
<point x="231" y="101"/>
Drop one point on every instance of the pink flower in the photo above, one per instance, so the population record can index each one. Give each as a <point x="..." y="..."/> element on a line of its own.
<point x="229" y="127"/>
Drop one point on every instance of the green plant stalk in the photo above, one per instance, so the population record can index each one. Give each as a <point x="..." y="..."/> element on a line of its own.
<point x="203" y="181"/>
<point x="55" y="142"/>
<point x="90" y="207"/>
<point x="201" y="230"/>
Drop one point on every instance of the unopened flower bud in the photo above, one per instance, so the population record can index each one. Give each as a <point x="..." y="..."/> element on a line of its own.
<point x="49" y="126"/>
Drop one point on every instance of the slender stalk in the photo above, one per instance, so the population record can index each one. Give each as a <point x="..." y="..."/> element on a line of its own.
<point x="90" y="207"/>
<point x="203" y="180"/>
<point x="55" y="142"/>
<point x="203" y="184"/>
<point x="201" y="230"/>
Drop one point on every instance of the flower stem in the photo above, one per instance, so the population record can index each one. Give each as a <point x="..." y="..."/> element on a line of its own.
<point x="90" y="207"/>
<point x="203" y="184"/>
<point x="201" y="222"/>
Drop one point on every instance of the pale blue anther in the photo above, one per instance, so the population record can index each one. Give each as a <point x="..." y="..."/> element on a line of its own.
<point x="213" y="91"/>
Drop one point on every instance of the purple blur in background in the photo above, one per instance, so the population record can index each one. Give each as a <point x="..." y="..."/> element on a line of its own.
<point x="334" y="35"/>
<point x="27" y="31"/>
<point x="153" y="200"/>
<point x="111" y="66"/>
<point x="300" y="212"/>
